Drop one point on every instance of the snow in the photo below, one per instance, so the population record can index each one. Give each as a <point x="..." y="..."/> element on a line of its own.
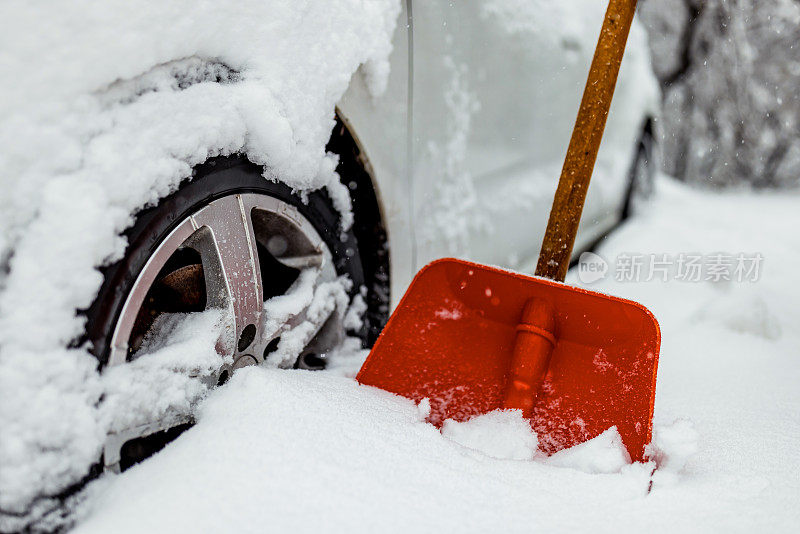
<point x="502" y="434"/>
<point x="300" y="451"/>
<point x="318" y="299"/>
<point x="318" y="452"/>
<point x="167" y="376"/>
<point x="91" y="134"/>
<point x="354" y="318"/>
<point x="602" y="454"/>
<point x="673" y="446"/>
<point x="105" y="107"/>
<point x="449" y="212"/>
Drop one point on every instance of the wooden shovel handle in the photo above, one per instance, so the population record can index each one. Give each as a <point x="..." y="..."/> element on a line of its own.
<point x="582" y="153"/>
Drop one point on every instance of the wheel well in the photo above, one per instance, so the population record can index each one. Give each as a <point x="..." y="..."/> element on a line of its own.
<point x="368" y="230"/>
<point x="368" y="225"/>
<point x="643" y="143"/>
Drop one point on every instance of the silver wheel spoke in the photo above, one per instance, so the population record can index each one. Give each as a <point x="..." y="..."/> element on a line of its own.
<point x="119" y="341"/>
<point x="302" y="262"/>
<point x="227" y="246"/>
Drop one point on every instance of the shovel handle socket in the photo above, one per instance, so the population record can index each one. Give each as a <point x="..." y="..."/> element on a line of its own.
<point x="533" y="346"/>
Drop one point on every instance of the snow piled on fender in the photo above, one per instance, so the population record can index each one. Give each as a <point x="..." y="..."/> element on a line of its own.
<point x="105" y="107"/>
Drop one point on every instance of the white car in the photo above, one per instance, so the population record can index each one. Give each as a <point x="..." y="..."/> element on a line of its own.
<point x="160" y="160"/>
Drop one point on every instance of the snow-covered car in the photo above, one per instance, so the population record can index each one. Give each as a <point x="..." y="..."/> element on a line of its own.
<point x="290" y="164"/>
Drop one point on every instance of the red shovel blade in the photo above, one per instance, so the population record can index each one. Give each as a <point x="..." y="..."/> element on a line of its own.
<point x="452" y="336"/>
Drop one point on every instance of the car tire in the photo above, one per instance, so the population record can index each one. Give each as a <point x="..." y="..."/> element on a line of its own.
<point x="213" y="180"/>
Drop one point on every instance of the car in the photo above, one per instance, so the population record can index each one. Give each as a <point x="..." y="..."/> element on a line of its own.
<point x="163" y="161"/>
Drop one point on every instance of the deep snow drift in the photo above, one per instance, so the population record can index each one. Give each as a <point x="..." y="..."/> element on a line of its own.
<point x="300" y="451"/>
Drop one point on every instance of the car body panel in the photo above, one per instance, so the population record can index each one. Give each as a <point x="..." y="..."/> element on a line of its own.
<point x="379" y="124"/>
<point x="495" y="89"/>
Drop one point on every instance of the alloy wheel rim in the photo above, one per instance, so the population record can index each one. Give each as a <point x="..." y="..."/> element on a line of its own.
<point x="250" y="247"/>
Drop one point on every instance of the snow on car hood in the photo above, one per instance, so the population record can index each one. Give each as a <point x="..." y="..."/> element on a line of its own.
<point x="104" y="108"/>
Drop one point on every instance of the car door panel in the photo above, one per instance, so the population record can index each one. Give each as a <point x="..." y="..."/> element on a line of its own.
<point x="497" y="85"/>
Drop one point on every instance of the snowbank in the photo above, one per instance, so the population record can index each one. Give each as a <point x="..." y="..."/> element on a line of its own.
<point x="104" y="108"/>
<point x="296" y="451"/>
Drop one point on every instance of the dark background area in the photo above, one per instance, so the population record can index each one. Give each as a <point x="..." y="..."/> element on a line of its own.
<point x="729" y="72"/>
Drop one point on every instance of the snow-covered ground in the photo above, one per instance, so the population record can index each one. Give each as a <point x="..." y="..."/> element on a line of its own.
<point x="285" y="451"/>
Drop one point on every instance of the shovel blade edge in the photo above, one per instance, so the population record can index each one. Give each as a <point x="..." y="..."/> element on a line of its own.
<point x="451" y="338"/>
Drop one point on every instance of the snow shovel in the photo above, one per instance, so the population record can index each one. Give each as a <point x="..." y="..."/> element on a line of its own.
<point x="472" y="338"/>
